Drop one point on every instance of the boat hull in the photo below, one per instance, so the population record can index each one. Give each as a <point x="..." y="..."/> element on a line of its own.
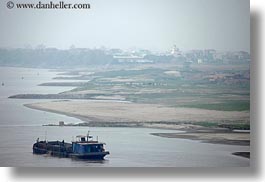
<point x="37" y="150"/>
<point x="58" y="149"/>
<point x="94" y="155"/>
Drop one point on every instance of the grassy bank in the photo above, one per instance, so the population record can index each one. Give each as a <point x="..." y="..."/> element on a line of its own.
<point x="232" y="105"/>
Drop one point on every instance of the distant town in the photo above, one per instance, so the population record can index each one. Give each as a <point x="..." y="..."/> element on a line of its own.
<point x="84" y="56"/>
<point x="175" y="54"/>
<point x="42" y="57"/>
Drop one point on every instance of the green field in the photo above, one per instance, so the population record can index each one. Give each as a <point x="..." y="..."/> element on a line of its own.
<point x="191" y="89"/>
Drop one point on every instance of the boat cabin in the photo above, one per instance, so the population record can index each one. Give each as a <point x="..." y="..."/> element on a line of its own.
<point x="86" y="144"/>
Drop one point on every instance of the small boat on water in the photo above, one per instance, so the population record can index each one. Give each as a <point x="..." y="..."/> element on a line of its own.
<point x="83" y="148"/>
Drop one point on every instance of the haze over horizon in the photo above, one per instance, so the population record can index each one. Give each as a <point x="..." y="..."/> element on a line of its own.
<point x="190" y="24"/>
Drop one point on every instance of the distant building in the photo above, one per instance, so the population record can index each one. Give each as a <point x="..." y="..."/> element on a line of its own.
<point x="175" y="51"/>
<point x="61" y="123"/>
<point x="199" y="61"/>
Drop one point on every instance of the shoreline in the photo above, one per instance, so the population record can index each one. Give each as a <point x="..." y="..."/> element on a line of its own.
<point x="95" y="122"/>
<point x="121" y="111"/>
<point x="214" y="136"/>
<point x="192" y="130"/>
<point x="171" y="125"/>
<point x="210" y="137"/>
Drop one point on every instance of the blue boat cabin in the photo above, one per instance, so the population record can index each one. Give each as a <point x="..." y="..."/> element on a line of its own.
<point x="84" y="146"/>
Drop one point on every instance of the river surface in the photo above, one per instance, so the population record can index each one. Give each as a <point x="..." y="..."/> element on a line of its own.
<point x="129" y="147"/>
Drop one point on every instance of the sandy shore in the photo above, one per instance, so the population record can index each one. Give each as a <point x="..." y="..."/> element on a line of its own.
<point x="212" y="136"/>
<point x="118" y="111"/>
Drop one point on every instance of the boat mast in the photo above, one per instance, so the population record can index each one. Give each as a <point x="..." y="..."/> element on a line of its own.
<point x="87" y="137"/>
<point x="45" y="135"/>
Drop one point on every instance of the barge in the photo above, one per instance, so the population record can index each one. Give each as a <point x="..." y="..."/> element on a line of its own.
<point x="83" y="148"/>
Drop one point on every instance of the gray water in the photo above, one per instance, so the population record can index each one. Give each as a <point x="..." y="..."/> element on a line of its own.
<point x="129" y="147"/>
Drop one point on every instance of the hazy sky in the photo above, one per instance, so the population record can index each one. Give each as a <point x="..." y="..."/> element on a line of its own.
<point x="150" y="24"/>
